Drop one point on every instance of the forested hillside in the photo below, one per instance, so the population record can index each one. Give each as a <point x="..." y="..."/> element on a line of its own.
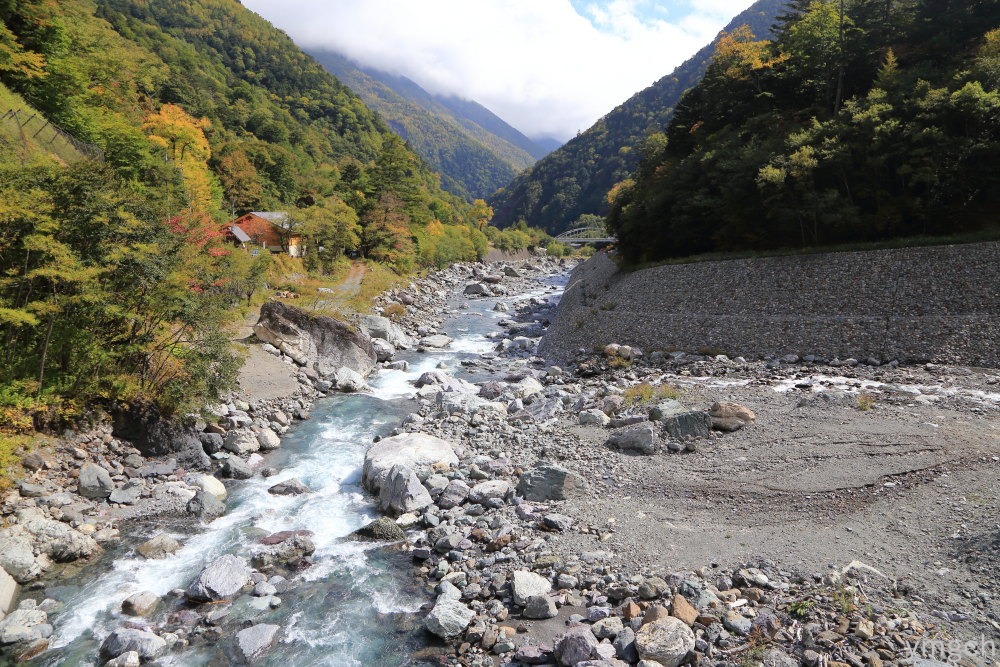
<point x="575" y="179"/>
<point x="474" y="151"/>
<point x="116" y="281"/>
<point x="878" y="123"/>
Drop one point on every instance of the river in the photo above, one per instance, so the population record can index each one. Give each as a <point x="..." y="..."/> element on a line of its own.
<point x="355" y="606"/>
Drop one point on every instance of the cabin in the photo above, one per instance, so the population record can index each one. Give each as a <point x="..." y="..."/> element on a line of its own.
<point x="265" y="229"/>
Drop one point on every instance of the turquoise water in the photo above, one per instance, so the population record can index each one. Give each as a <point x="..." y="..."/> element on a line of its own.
<point x="356" y="606"/>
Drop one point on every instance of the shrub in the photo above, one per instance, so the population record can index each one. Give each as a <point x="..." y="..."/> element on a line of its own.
<point x="645" y="393"/>
<point x="866" y="401"/>
<point x="394" y="311"/>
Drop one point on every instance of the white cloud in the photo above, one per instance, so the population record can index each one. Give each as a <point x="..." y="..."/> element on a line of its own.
<point x="538" y="64"/>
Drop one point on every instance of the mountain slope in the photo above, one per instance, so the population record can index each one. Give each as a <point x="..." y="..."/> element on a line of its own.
<point x="117" y="280"/>
<point x="575" y="179"/>
<point x="474" y="150"/>
<point x="886" y="128"/>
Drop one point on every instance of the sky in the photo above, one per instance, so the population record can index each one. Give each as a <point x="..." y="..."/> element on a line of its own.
<point x="550" y="68"/>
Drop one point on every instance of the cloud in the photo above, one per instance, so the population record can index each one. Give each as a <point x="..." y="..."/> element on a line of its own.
<point x="541" y="65"/>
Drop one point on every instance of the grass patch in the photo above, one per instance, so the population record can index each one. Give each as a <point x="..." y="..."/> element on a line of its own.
<point x="801" y="608"/>
<point x="645" y="393"/>
<point x="866" y="401"/>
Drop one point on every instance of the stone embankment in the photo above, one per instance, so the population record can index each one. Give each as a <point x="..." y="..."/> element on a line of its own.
<point x="937" y="304"/>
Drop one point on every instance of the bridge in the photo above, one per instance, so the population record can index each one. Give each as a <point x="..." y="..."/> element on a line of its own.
<point x="585" y="236"/>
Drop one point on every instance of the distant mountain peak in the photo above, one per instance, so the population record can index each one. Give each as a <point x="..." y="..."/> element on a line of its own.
<point x="475" y="151"/>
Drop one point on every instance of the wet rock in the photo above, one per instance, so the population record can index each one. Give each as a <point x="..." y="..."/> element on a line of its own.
<point x="236" y="468"/>
<point x="577" y="645"/>
<point x="205" y="506"/>
<point x="160" y="546"/>
<point x="402" y="492"/>
<point x="665" y="640"/>
<point x="551" y="482"/>
<point x="350" y="381"/>
<point x="382" y="529"/>
<point x="141" y="604"/>
<point x="94" y="482"/>
<point x="290" y="551"/>
<point x="384" y="351"/>
<point x="123" y="640"/>
<point x="525" y="585"/>
<point x="255" y="642"/>
<point x="409" y="449"/>
<point x="448" y="618"/>
<point x="209" y="484"/>
<point x="223" y="579"/>
<point x="640" y="439"/>
<point x="268" y="440"/>
<point x="437" y="341"/>
<point x="290" y="487"/>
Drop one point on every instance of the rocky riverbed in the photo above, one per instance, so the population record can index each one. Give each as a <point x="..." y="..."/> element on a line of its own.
<point x="633" y="507"/>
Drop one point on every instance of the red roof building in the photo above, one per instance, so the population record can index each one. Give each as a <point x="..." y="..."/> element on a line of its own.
<point x="266" y="229"/>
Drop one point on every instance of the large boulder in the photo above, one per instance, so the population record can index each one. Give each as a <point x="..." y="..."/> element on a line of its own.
<point x="8" y="590"/>
<point x="155" y="435"/>
<point x="551" y="482"/>
<point x="382" y="529"/>
<point x="254" y="642"/>
<point x="641" y="439"/>
<point x="94" y="482"/>
<point x="148" y="645"/>
<point x="448" y="618"/>
<point x="142" y="603"/>
<point x="160" y="546"/>
<point x="409" y="449"/>
<point x="57" y="540"/>
<point x="666" y="640"/>
<point x="681" y="422"/>
<point x="209" y="484"/>
<point x="221" y="580"/>
<point x="206" y="506"/>
<point x="17" y="557"/>
<point x="402" y="492"/>
<point x="377" y="326"/>
<point x="290" y="487"/>
<point x="326" y="342"/>
<point x="349" y="380"/>
<point x="287" y="548"/>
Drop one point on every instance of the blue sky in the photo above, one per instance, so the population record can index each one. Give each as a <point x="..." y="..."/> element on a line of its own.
<point x="547" y="67"/>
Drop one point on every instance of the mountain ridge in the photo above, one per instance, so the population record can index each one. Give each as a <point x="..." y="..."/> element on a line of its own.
<point x="574" y="179"/>
<point x="473" y="149"/>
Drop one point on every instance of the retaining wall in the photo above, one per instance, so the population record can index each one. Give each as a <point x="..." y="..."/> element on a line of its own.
<point x="938" y="304"/>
